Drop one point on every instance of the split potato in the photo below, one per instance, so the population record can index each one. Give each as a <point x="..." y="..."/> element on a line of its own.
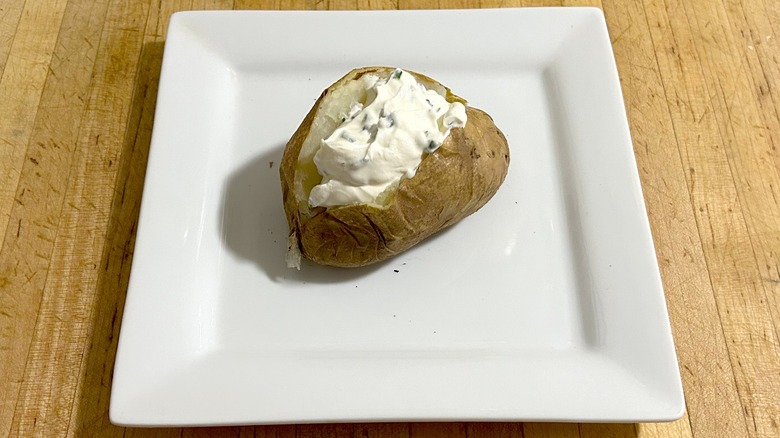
<point x="452" y="182"/>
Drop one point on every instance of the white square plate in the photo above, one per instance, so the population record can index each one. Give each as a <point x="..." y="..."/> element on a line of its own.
<point x="544" y="305"/>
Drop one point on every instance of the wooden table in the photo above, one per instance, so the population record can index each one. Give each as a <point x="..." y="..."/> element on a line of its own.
<point x="77" y="94"/>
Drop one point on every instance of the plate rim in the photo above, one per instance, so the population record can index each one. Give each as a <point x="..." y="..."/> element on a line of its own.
<point x="119" y="413"/>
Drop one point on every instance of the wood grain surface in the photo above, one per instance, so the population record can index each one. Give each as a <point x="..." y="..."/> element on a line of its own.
<point x="78" y="86"/>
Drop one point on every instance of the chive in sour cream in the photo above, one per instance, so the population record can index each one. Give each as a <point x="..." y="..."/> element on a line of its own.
<point x="380" y="144"/>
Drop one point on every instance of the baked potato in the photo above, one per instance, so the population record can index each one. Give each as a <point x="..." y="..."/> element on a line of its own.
<point x="451" y="182"/>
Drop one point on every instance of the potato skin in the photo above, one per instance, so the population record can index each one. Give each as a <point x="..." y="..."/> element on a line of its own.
<point x="451" y="183"/>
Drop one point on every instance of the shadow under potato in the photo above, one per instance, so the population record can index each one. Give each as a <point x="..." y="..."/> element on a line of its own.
<point x="253" y="225"/>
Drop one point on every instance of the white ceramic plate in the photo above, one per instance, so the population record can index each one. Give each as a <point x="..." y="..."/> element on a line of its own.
<point x="544" y="305"/>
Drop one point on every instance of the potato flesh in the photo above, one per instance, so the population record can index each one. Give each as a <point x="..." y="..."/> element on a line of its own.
<point x="332" y="109"/>
<point x="330" y="113"/>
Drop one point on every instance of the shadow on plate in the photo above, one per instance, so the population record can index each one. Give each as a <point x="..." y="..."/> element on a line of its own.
<point x="254" y="227"/>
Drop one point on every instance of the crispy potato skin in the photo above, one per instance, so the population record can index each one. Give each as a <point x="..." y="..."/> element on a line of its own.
<point x="453" y="182"/>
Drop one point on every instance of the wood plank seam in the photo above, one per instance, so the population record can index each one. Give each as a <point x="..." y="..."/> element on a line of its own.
<point x="777" y="113"/>
<point x="745" y="393"/>
<point x="745" y="71"/>
<point x="70" y="173"/>
<point x="732" y="173"/>
<point x="57" y="225"/>
<point x="769" y="124"/>
<point x="24" y="345"/>
<point x="3" y="221"/>
<point x="16" y="28"/>
<point x="759" y="58"/>
<point x="690" y="193"/>
<point x="746" y="59"/>
<point x="679" y="154"/>
<point x="107" y="249"/>
<point x="152" y="33"/>
<point x="706" y="261"/>
<point x="742" y="71"/>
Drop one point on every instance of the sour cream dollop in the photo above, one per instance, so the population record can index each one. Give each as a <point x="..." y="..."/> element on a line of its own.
<point x="378" y="145"/>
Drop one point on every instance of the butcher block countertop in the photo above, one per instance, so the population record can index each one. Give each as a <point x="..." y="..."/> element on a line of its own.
<point x="78" y="86"/>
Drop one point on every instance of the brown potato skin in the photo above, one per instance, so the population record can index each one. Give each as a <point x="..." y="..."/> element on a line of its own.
<point x="451" y="183"/>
